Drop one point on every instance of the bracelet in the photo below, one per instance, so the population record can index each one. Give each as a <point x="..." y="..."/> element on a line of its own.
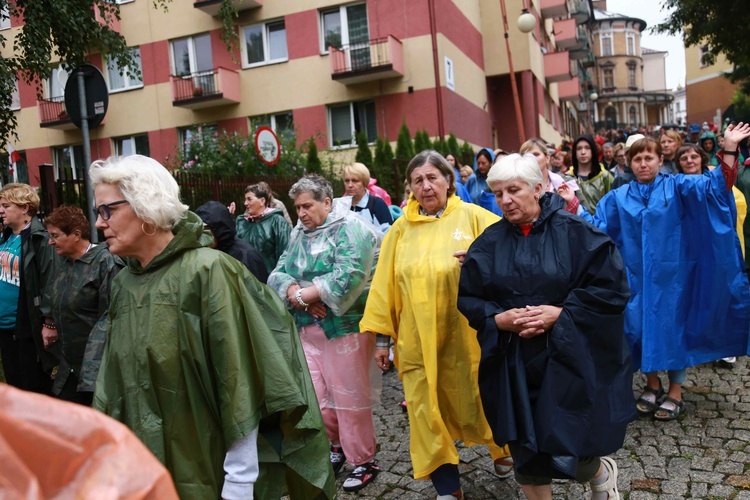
<point x="50" y="326"/>
<point x="733" y="153"/>
<point x="298" y="296"/>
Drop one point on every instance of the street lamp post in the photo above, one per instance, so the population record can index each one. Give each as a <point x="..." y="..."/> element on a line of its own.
<point x="526" y="23"/>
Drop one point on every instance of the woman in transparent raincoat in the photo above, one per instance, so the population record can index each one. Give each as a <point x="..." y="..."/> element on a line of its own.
<point x="323" y="275"/>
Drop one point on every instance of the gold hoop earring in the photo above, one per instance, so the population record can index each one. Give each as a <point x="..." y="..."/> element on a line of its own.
<point x="144" y="230"/>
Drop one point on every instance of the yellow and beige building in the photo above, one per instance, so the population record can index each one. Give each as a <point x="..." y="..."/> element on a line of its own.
<point x="324" y="69"/>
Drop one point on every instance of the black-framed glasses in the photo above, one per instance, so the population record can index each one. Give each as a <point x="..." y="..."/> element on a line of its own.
<point x="103" y="210"/>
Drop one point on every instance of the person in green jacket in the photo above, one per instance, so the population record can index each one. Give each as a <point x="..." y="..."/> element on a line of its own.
<point x="79" y="298"/>
<point x="27" y="263"/>
<point x="202" y="362"/>
<point x="593" y="179"/>
<point x="264" y="227"/>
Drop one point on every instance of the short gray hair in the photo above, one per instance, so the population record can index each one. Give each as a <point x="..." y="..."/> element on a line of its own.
<point x="516" y="166"/>
<point x="432" y="157"/>
<point x="315" y="184"/>
<point x="149" y="188"/>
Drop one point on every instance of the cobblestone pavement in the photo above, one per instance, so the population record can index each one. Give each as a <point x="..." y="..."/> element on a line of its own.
<point x="704" y="454"/>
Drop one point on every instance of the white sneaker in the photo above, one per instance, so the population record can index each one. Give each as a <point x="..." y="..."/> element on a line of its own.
<point x="610" y="485"/>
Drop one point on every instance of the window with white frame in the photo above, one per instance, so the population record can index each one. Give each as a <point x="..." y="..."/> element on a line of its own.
<point x="608" y="77"/>
<point x="133" y="145"/>
<point x="264" y="43"/>
<point x="4" y="17"/>
<point x="702" y="53"/>
<point x="605" y="41"/>
<point x="15" y="98"/>
<point x="344" y="26"/>
<point x="119" y="77"/>
<point x="190" y="134"/>
<point x="631" y="44"/>
<point x="279" y="122"/>
<point x="191" y="55"/>
<point x="55" y="84"/>
<point x="347" y="120"/>
<point x="69" y="162"/>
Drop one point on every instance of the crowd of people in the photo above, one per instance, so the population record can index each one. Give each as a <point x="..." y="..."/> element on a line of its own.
<point x="516" y="297"/>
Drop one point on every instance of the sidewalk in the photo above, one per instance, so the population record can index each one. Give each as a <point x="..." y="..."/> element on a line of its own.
<point x="705" y="454"/>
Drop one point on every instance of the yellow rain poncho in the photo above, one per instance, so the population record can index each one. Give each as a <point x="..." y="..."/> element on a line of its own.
<point x="413" y="300"/>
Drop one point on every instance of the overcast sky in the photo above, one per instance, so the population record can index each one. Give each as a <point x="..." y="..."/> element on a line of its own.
<point x="650" y="11"/>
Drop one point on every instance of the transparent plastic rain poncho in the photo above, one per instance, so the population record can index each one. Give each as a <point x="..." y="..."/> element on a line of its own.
<point x="338" y="258"/>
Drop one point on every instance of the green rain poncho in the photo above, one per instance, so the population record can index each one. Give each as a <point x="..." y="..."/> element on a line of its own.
<point x="199" y="354"/>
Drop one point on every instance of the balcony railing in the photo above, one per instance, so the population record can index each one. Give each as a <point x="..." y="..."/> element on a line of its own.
<point x="580" y="11"/>
<point x="557" y="67"/>
<point x="553" y="8"/>
<point x="52" y="114"/>
<point x="569" y="90"/>
<point x="376" y="59"/>
<point x="212" y="6"/>
<point x="206" y="89"/>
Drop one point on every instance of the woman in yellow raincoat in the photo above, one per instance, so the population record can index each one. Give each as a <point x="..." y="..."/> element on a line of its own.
<point x="413" y="300"/>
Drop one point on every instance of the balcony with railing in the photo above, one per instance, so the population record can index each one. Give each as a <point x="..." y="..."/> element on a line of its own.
<point x="557" y="67"/>
<point x="52" y="114"/>
<point x="580" y="11"/>
<point x="376" y="59"/>
<point x="212" y="6"/>
<point x="206" y="89"/>
<point x="553" y="8"/>
<point x="569" y="90"/>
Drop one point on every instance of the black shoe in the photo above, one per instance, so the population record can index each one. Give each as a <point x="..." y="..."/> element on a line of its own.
<point x="337" y="458"/>
<point x="724" y="364"/>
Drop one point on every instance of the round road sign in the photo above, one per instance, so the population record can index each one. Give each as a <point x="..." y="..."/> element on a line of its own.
<point x="267" y="145"/>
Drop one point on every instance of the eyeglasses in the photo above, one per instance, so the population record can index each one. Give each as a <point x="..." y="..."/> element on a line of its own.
<point x="103" y="210"/>
<point x="55" y="236"/>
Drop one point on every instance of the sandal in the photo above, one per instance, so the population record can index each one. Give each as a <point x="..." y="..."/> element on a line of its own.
<point x="645" y="405"/>
<point x="670" y="409"/>
<point x="504" y="467"/>
<point x="361" y="476"/>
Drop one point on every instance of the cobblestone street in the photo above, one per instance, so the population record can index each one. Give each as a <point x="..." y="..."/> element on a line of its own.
<point x="704" y="454"/>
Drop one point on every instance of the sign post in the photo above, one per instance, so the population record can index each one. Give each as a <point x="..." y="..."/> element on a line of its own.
<point x="86" y="101"/>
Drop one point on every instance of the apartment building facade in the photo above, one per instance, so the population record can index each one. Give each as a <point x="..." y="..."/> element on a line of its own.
<point x="708" y="91"/>
<point x="324" y="70"/>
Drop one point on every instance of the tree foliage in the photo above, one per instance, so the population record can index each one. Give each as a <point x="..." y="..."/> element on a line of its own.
<point x="716" y="24"/>
<point x="452" y="146"/>
<point x="70" y="31"/>
<point x="364" y="154"/>
<point x="404" y="144"/>
<point x="382" y="166"/>
<point x="314" y="165"/>
<point x="225" y="152"/>
<point x="421" y="141"/>
<point x="467" y="154"/>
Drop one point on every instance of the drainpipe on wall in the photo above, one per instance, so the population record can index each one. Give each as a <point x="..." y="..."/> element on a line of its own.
<point x="436" y="64"/>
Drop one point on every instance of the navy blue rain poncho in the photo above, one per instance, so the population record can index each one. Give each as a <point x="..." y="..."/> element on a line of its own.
<point x="691" y="298"/>
<point x="567" y="393"/>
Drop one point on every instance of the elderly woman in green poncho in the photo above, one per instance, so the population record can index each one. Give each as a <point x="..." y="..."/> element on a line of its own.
<point x="202" y="362"/>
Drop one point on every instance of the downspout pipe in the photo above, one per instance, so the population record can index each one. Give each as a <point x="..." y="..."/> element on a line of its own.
<point x="436" y="64"/>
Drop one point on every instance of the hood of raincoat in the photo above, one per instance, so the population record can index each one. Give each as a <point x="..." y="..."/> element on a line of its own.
<point x="188" y="234"/>
<point x="492" y="160"/>
<point x="218" y="218"/>
<point x="712" y="136"/>
<point x="596" y="167"/>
